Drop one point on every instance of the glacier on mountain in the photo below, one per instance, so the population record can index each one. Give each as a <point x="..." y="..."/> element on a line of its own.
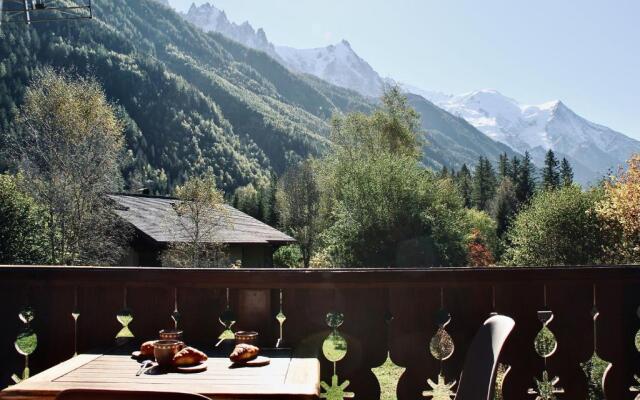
<point x="337" y="64"/>
<point x="594" y="149"/>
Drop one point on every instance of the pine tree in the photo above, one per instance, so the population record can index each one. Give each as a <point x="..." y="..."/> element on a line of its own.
<point x="566" y="173"/>
<point x="515" y="169"/>
<point x="484" y="184"/>
<point x="465" y="184"/>
<point x="504" y="206"/>
<point x="525" y="183"/>
<point x="444" y="172"/>
<point x="504" y="167"/>
<point x="550" y="173"/>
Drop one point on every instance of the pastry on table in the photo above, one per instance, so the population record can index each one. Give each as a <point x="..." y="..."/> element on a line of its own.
<point x="244" y="352"/>
<point x="188" y="356"/>
<point x="146" y="350"/>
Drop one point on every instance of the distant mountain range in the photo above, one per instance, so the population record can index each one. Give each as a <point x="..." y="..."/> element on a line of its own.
<point x="337" y="64"/>
<point x="591" y="148"/>
<point x="450" y="141"/>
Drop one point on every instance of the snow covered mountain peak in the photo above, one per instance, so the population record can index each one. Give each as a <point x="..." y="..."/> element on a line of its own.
<point x="342" y="46"/>
<point x="488" y="102"/>
<point x="483" y="93"/>
<point x="591" y="148"/>
<point x="337" y="64"/>
<point x="550" y="105"/>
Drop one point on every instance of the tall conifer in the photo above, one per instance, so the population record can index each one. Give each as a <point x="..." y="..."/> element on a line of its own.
<point x="525" y="184"/>
<point x="551" y="173"/>
<point x="465" y="185"/>
<point x="504" y="167"/>
<point x="566" y="173"/>
<point x="484" y="184"/>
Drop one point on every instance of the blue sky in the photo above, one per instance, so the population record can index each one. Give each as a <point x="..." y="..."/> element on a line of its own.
<point x="583" y="52"/>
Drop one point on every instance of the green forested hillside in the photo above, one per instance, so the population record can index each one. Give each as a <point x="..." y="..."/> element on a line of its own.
<point x="191" y="100"/>
<point x="194" y="101"/>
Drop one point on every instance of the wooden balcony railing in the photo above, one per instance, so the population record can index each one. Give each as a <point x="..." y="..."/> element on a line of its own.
<point x="402" y="314"/>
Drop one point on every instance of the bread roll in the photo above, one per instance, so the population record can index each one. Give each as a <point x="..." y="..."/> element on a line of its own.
<point x="146" y="350"/>
<point x="188" y="356"/>
<point x="244" y="352"/>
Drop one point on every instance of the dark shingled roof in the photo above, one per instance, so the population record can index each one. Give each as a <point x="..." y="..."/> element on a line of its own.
<point x="156" y="217"/>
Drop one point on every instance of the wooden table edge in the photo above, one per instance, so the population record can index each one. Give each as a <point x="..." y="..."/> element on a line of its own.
<point x="42" y="385"/>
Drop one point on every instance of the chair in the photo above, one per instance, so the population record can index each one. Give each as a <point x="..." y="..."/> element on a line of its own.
<point x="478" y="372"/>
<point x="91" y="394"/>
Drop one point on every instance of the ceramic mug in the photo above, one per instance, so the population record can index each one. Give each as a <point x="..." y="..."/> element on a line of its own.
<point x="248" y="337"/>
<point x="164" y="350"/>
<point x="170" y="334"/>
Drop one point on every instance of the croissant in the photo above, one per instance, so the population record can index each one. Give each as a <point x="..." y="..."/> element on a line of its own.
<point x="188" y="356"/>
<point x="244" y="352"/>
<point x="146" y="350"/>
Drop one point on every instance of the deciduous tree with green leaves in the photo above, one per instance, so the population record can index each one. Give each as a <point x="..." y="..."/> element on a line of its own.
<point x="22" y="224"/>
<point x="247" y="199"/>
<point x="481" y="228"/>
<point x="380" y="206"/>
<point x="620" y="209"/>
<point x="298" y="205"/>
<point x="199" y="214"/>
<point x="68" y="149"/>
<point x="558" y="227"/>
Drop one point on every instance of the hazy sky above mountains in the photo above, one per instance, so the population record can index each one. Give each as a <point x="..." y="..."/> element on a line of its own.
<point x="584" y="52"/>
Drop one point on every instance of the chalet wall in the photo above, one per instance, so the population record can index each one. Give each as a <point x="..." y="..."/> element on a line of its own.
<point x="140" y="254"/>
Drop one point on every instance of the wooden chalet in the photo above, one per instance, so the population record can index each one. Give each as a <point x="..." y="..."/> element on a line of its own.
<point x="154" y="220"/>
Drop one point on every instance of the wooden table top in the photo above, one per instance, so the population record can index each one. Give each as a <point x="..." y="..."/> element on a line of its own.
<point x="283" y="378"/>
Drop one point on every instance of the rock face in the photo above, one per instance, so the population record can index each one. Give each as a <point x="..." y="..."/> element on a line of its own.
<point x="211" y="19"/>
<point x="593" y="149"/>
<point x="337" y="64"/>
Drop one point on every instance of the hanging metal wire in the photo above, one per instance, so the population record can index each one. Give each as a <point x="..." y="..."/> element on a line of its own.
<point x="33" y="11"/>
